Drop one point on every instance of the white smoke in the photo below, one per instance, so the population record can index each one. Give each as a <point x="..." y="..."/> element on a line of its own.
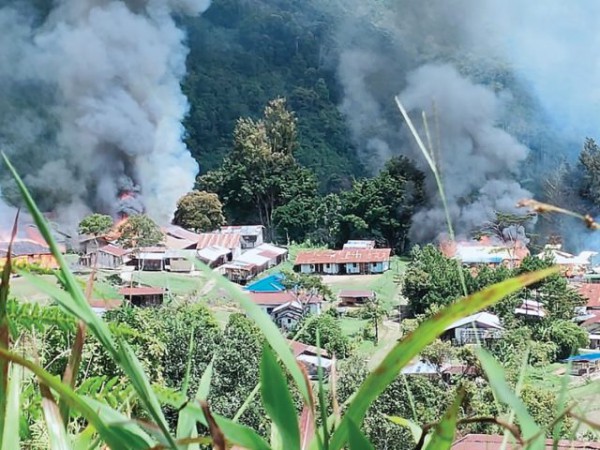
<point x="114" y="69"/>
<point x="479" y="162"/>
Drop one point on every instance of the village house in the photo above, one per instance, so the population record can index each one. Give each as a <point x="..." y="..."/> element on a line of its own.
<point x="180" y="261"/>
<point x="592" y="326"/>
<point x="149" y="259"/>
<point x="359" y="244"/>
<point x="253" y="262"/>
<point x="485" y="252"/>
<point x="100" y="306"/>
<point x="288" y="315"/>
<point x="214" y="256"/>
<point x="355" y="298"/>
<point x="584" y="365"/>
<point x="108" y="257"/>
<point x="143" y="296"/>
<point x="268" y="301"/>
<point x="251" y="235"/>
<point x="90" y="244"/>
<point x="479" y="327"/>
<point x="570" y="265"/>
<point x="230" y="241"/>
<point x="271" y="283"/>
<point x="177" y="238"/>
<point x="311" y="358"/>
<point x="342" y="262"/>
<point x="530" y="309"/>
<point x="27" y="252"/>
<point x="591" y="292"/>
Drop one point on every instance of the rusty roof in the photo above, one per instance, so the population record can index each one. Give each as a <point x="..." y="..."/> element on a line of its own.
<point x="105" y="303"/>
<point x="494" y="442"/>
<point x="299" y="348"/>
<point x="130" y="291"/>
<point x="24" y="247"/>
<point x="229" y="240"/>
<point x="343" y="256"/>
<point x="180" y="233"/>
<point x="591" y="291"/>
<point x="114" y="250"/>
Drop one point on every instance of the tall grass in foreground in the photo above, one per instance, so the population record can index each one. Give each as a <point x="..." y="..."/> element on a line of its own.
<point x="108" y="427"/>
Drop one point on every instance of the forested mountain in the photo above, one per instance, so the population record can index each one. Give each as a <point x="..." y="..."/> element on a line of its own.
<point x="243" y="54"/>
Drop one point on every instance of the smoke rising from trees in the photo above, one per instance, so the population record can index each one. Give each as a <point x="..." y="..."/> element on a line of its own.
<point x="538" y="69"/>
<point x="92" y="102"/>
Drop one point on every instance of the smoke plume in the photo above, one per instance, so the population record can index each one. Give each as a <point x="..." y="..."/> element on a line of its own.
<point x="93" y="104"/>
<point x="499" y="73"/>
<point x="479" y="162"/>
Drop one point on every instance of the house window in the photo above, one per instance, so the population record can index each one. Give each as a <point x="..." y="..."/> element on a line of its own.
<point x="355" y="265"/>
<point x="327" y="265"/>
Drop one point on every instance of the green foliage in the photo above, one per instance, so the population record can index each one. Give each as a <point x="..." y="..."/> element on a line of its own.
<point x="430" y="279"/>
<point x="261" y="173"/>
<point x="199" y="211"/>
<point x="139" y="231"/>
<point x="589" y="161"/>
<point x="330" y="333"/>
<point x="382" y="207"/>
<point x="568" y="337"/>
<point x="438" y="353"/>
<point x="95" y="224"/>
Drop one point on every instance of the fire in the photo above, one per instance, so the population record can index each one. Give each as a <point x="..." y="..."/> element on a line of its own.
<point x="126" y="195"/>
<point x="114" y="233"/>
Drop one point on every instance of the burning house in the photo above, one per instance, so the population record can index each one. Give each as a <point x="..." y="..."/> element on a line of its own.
<point x="485" y="251"/>
<point x="27" y="252"/>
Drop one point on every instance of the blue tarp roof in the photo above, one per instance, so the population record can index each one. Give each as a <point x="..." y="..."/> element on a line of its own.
<point x="272" y="283"/>
<point x="586" y="357"/>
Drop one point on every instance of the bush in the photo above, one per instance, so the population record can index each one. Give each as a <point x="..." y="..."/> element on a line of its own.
<point x="331" y="336"/>
<point x="568" y="338"/>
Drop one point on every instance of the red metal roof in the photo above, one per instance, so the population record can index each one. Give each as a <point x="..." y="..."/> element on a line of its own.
<point x="494" y="442"/>
<point x="356" y="294"/>
<point x="127" y="292"/>
<point x="299" y="348"/>
<point x="591" y="320"/>
<point x="114" y="250"/>
<point x="180" y="233"/>
<point x="229" y="240"/>
<point x="356" y="255"/>
<point x="279" y="298"/>
<point x="104" y="303"/>
<point x="591" y="291"/>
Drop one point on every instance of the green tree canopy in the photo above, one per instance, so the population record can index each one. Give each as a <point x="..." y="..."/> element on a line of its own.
<point x="95" y="224"/>
<point x="199" y="211"/>
<point x="261" y="173"/>
<point x="140" y="231"/>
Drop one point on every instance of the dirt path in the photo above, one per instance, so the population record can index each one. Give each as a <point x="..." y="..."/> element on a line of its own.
<point x="389" y="333"/>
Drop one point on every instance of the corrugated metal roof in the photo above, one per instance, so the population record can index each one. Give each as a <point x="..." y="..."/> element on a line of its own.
<point x="590" y="291"/>
<point x="129" y="291"/>
<point x="483" y="318"/>
<point x="299" y="348"/>
<point x="359" y="244"/>
<point x="343" y="256"/>
<point x="356" y="294"/>
<point x="180" y="233"/>
<point x="244" y="230"/>
<point x="25" y="247"/>
<point x="231" y="240"/>
<point x="213" y="253"/>
<point x="114" y="250"/>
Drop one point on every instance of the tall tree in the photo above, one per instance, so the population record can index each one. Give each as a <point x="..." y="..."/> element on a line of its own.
<point x="256" y="178"/>
<point x="95" y="224"/>
<point x="382" y="207"/>
<point x="139" y="231"/>
<point x="199" y="211"/>
<point x="589" y="162"/>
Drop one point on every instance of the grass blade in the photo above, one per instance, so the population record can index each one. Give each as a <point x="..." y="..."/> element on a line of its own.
<point x="57" y="434"/>
<point x="443" y="435"/>
<point x="411" y="346"/>
<point x="240" y="434"/>
<point x="415" y="430"/>
<point x="72" y="368"/>
<point x="188" y="366"/>
<point x="13" y="409"/>
<point x="218" y="438"/>
<point x="5" y="329"/>
<point x="357" y="439"/>
<point x="498" y="383"/>
<point x="186" y="424"/>
<point x="275" y="339"/>
<point x="112" y="439"/>
<point x="74" y="301"/>
<point x="278" y="401"/>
